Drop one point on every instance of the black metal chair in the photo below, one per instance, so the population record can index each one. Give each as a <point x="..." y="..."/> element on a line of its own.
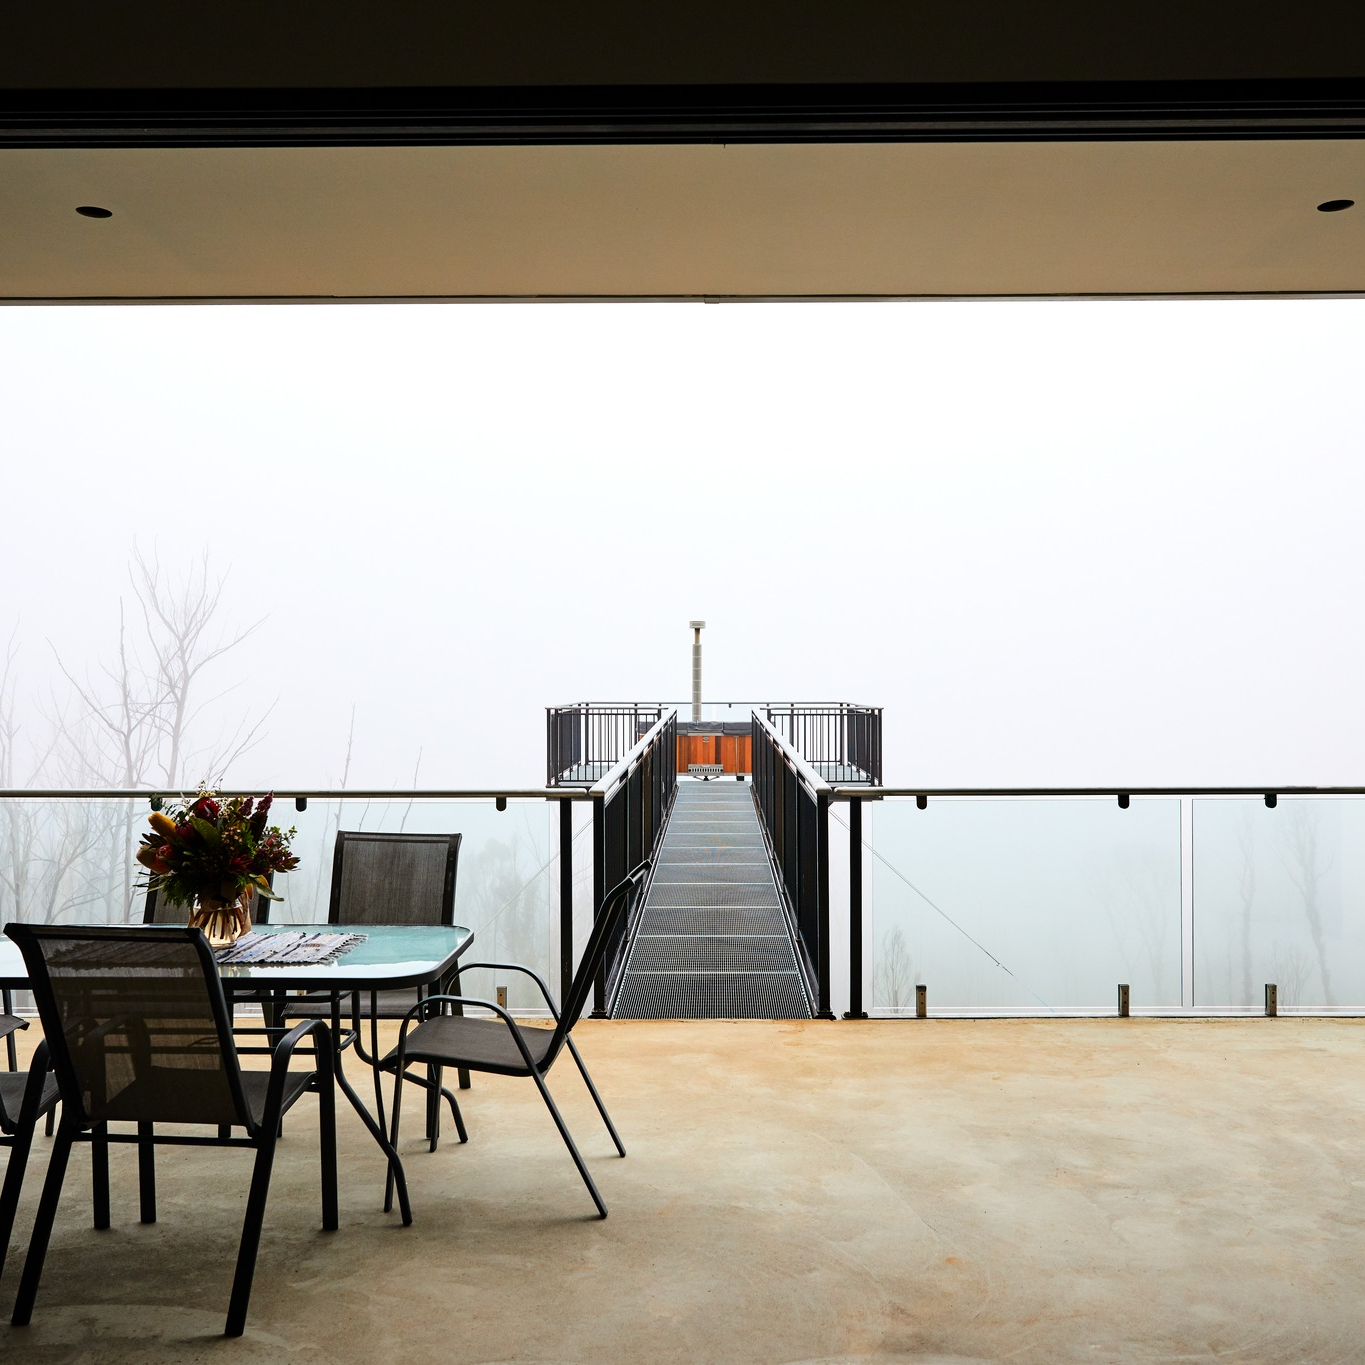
<point x="139" y="1032"/>
<point x="25" y="1096"/>
<point x="390" y="879"/>
<point x="503" y="1047"/>
<point x="9" y="1022"/>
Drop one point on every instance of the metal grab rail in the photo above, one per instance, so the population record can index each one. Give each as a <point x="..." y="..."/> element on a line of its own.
<point x="630" y="809"/>
<point x="793" y="802"/>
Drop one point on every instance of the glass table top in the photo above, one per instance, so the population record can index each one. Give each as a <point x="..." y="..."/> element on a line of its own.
<point x="392" y="956"/>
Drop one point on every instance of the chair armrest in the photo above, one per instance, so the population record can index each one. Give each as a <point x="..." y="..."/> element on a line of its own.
<point x="512" y="967"/>
<point x="401" y="1052"/>
<point x="11" y="1023"/>
<point x="283" y="1051"/>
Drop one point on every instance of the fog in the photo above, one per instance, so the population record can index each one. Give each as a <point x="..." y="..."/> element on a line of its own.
<point x="1059" y="543"/>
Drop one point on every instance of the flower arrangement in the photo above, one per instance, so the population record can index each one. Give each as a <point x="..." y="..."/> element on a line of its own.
<point x="216" y="853"/>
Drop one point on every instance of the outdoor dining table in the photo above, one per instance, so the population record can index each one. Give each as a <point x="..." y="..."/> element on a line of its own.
<point x="389" y="957"/>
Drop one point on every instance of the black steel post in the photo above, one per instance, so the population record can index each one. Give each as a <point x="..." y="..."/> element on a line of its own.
<point x="565" y="897"/>
<point x="855" y="911"/>
<point x="599" y="890"/>
<point x="822" y="904"/>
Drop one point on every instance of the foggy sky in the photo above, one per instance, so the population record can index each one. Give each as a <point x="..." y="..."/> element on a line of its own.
<point x="1108" y="543"/>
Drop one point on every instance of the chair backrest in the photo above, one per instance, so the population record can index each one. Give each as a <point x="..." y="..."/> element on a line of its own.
<point x="136" y="1021"/>
<point x="393" y="878"/>
<point x="156" y="909"/>
<point x="616" y="906"/>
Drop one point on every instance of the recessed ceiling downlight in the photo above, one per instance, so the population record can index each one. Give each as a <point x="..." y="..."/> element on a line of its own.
<point x="1336" y="205"/>
<point x="94" y="211"/>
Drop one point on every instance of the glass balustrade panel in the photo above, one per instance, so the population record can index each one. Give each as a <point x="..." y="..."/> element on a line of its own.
<point x="1279" y="896"/>
<point x="1021" y="904"/>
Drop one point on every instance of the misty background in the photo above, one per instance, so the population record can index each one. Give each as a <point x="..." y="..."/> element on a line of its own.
<point x="1068" y="542"/>
<point x="1061" y="543"/>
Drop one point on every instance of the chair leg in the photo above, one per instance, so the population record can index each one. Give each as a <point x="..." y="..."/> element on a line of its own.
<point x="433" y="1106"/>
<point x="146" y="1173"/>
<point x="596" y="1098"/>
<point x="99" y="1173"/>
<point x="569" y="1143"/>
<point x="464" y="1077"/>
<point x="251" y="1229"/>
<point x="42" y="1224"/>
<point x="20" y="1146"/>
<point x="456" y="1115"/>
<point x="13" y="1186"/>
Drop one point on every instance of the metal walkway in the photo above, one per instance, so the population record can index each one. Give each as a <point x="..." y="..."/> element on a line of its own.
<point x="712" y="941"/>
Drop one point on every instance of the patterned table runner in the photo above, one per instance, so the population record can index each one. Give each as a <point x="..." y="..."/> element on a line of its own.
<point x="292" y="949"/>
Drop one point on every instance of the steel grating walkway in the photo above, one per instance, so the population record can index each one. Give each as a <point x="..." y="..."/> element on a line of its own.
<point x="712" y="940"/>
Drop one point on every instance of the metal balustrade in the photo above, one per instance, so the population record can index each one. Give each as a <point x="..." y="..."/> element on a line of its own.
<point x="996" y="901"/>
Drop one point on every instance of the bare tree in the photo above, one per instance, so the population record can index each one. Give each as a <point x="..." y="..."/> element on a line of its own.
<point x="1306" y="868"/>
<point x="45" y="868"/>
<point x="1290" y="969"/>
<point x="1140" y="889"/>
<point x="895" y="979"/>
<point x="138" y="714"/>
<point x="138" y="719"/>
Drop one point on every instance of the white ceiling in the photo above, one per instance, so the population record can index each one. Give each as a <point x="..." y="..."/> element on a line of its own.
<point x="683" y="221"/>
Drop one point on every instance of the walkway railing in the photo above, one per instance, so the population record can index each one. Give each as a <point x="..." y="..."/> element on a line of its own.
<point x="793" y="800"/>
<point x="630" y="808"/>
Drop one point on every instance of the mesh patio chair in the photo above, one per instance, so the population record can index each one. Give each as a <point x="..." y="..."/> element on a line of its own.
<point x="25" y="1096"/>
<point x="139" y="1032"/>
<point x="390" y="879"/>
<point x="503" y="1047"/>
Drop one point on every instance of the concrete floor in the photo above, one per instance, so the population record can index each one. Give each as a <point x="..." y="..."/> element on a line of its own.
<point x="941" y="1192"/>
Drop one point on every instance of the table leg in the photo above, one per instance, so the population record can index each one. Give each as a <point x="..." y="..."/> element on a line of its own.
<point x="396" y="1174"/>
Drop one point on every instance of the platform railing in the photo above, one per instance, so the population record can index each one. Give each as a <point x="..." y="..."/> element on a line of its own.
<point x="841" y="742"/>
<point x="584" y="741"/>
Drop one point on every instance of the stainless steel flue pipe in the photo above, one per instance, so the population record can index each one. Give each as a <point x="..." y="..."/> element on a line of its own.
<point x="696" y="628"/>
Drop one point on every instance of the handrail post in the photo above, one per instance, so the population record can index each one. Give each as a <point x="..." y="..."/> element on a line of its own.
<point x="822" y="902"/>
<point x="855" y="910"/>
<point x="599" y="891"/>
<point x="565" y="897"/>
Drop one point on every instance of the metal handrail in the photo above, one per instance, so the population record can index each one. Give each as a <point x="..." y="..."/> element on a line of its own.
<point x="608" y="784"/>
<point x="813" y="781"/>
<point x="304" y="793"/>
<point x="1269" y="789"/>
<point x="798" y="844"/>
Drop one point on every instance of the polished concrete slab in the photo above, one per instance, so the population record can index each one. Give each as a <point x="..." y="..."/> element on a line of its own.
<point x="938" y="1192"/>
